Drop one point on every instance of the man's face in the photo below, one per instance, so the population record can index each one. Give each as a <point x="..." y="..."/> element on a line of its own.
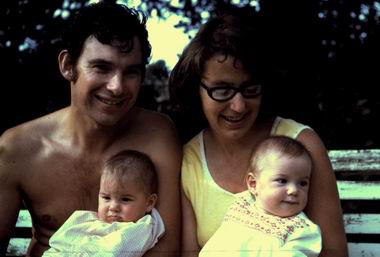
<point x="108" y="81"/>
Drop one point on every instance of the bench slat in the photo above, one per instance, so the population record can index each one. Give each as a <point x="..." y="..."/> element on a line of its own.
<point x="355" y="160"/>
<point x="354" y="223"/>
<point x="362" y="223"/>
<point x="363" y="250"/>
<point x="355" y="190"/>
<point x="18" y="246"/>
<point x="24" y="219"/>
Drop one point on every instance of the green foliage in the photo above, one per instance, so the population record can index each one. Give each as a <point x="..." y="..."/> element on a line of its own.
<point x="193" y="12"/>
<point x="324" y="52"/>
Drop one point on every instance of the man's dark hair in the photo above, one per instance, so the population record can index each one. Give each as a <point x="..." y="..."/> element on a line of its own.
<point x="107" y="22"/>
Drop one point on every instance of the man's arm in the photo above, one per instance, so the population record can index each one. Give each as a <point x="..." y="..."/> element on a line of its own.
<point x="167" y="157"/>
<point x="10" y="198"/>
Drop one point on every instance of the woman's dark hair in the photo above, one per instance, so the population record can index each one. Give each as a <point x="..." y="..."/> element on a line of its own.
<point x="239" y="34"/>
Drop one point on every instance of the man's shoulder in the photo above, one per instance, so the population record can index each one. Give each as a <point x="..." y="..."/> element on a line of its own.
<point x="25" y="137"/>
<point x="155" y="122"/>
<point x="18" y="136"/>
<point x="155" y="133"/>
<point x="25" y="131"/>
<point x="154" y="115"/>
<point x="15" y="149"/>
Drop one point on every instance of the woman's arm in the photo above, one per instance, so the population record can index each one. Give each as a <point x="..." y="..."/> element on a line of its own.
<point x="190" y="247"/>
<point x="324" y="205"/>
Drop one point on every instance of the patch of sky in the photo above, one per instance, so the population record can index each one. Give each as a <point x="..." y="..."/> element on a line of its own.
<point x="39" y="27"/>
<point x="64" y="14"/>
<point x="364" y="12"/>
<point x="252" y="3"/>
<point x="205" y="15"/>
<point x="363" y="36"/>
<point x="362" y="17"/>
<point x="57" y="13"/>
<point x="166" y="14"/>
<point x="255" y="4"/>
<point x="133" y="3"/>
<point x="95" y="1"/>
<point x="364" y="9"/>
<point x="331" y="55"/>
<point x="167" y="41"/>
<point x="65" y="4"/>
<point x="67" y="7"/>
<point x="28" y="44"/>
<point x="376" y="6"/>
<point x="177" y="4"/>
<point x="74" y="6"/>
<point x="322" y="15"/>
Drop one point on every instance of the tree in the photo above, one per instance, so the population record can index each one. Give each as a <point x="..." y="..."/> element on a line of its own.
<point x="322" y="52"/>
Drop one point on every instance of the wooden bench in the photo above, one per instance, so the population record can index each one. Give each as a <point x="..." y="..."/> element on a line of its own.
<point x="358" y="175"/>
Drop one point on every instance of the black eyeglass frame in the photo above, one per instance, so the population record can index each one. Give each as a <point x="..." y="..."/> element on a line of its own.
<point x="235" y="89"/>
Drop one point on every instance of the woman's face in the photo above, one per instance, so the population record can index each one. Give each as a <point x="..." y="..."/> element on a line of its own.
<point x="233" y="118"/>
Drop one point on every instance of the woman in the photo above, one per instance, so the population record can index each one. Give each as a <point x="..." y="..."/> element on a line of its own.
<point x="221" y="74"/>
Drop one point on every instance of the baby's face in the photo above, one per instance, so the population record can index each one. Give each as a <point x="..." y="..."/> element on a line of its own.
<point x="282" y="186"/>
<point x="123" y="201"/>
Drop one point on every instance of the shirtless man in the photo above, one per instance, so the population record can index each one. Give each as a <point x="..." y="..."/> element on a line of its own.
<point x="52" y="163"/>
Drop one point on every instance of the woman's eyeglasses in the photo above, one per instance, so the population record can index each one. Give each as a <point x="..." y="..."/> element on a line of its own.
<point x="225" y="93"/>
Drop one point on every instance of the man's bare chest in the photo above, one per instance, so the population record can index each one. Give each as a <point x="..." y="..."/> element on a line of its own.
<point x="54" y="189"/>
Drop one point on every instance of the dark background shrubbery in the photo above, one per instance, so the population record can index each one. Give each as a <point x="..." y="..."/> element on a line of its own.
<point x="326" y="53"/>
